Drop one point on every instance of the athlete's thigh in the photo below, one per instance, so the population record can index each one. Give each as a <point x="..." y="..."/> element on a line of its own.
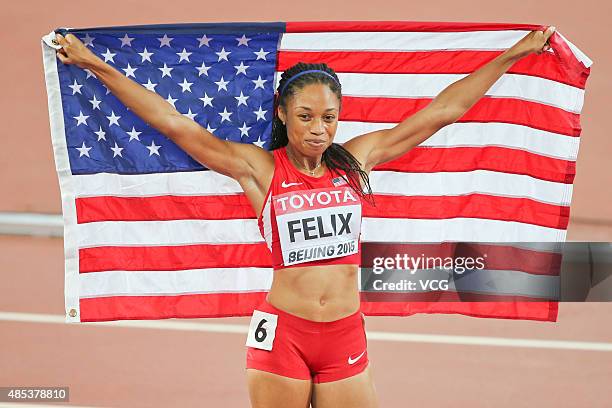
<point x="268" y="390"/>
<point x="357" y="391"/>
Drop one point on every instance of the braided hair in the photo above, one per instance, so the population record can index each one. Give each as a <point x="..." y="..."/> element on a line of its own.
<point x="335" y="156"/>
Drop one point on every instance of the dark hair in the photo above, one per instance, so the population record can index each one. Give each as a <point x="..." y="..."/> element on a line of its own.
<point x="335" y="156"/>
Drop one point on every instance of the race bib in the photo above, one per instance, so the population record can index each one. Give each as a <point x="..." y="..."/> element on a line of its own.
<point x="318" y="224"/>
<point x="262" y="330"/>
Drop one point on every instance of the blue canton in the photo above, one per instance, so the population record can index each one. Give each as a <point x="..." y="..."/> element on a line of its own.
<point x="225" y="82"/>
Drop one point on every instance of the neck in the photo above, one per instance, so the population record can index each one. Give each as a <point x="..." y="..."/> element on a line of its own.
<point x="309" y="164"/>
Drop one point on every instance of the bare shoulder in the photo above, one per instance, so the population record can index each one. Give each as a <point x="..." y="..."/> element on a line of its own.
<point x="362" y="146"/>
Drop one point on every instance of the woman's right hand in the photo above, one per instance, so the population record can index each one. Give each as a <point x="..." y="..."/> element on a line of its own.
<point x="73" y="51"/>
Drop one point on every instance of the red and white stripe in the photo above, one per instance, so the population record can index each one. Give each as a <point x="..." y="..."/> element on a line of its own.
<point x="187" y="244"/>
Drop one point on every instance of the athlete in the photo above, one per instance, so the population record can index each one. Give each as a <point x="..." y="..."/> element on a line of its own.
<point x="307" y="342"/>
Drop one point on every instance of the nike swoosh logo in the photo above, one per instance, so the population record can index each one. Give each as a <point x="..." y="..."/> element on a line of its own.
<point x="285" y="184"/>
<point x="353" y="361"/>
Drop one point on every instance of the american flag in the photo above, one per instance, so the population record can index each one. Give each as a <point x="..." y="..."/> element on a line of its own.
<point x="152" y="234"/>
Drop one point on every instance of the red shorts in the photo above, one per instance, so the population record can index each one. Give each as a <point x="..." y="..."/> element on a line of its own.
<point x="305" y="349"/>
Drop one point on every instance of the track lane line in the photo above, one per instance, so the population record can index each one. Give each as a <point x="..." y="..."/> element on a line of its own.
<point x="372" y="335"/>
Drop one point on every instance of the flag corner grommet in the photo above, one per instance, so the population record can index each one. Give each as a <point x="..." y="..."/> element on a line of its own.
<point x="49" y="40"/>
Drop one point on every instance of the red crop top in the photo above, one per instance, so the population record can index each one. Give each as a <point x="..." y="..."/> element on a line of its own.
<point x="310" y="220"/>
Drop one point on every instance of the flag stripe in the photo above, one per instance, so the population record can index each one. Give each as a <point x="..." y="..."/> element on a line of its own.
<point x="518" y="112"/>
<point x="469" y="206"/>
<point x="479" y="281"/>
<point x="480" y="134"/>
<point x="242" y="304"/>
<point x="165" y="307"/>
<point x="162" y="208"/>
<point x="232" y="280"/>
<point x="515" y="258"/>
<point x="497" y="257"/>
<point x="427" y="62"/>
<point x="110" y="258"/>
<point x="451" y="296"/>
<point x="185" y="232"/>
<point x="455" y="229"/>
<point x="546" y="311"/>
<point x="384" y="26"/>
<point x="394" y="41"/>
<point x="456" y="159"/>
<point x="176" y="282"/>
<point x="478" y="181"/>
<point x="202" y="183"/>
<point x="227" y="207"/>
<point x="153" y="258"/>
<point x="413" y="86"/>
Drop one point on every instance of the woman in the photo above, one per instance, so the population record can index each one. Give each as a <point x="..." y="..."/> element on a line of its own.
<point x="306" y="340"/>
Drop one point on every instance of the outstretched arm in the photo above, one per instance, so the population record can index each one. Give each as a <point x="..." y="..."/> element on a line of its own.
<point x="451" y="104"/>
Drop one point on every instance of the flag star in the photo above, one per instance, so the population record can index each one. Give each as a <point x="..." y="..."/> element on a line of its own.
<point x="203" y="70"/>
<point x="259" y="83"/>
<point x="171" y="100"/>
<point x="207" y="100"/>
<point x="261" y="54"/>
<point x="243" y="40"/>
<point x="150" y="85"/>
<point x="117" y="150"/>
<point x="165" y="40"/>
<point x="146" y="55"/>
<point x="113" y="119"/>
<point x="126" y="41"/>
<point x="223" y="54"/>
<point x="204" y="40"/>
<point x="107" y="90"/>
<point x="129" y="71"/>
<point x="186" y="85"/>
<point x="133" y="134"/>
<point x="225" y="115"/>
<point x="190" y="114"/>
<point x="211" y="130"/>
<point x="95" y="103"/>
<point x="83" y="150"/>
<point x="242" y="100"/>
<point x="166" y="71"/>
<point x="88" y="41"/>
<point x="222" y="84"/>
<point x="101" y="134"/>
<point x="241" y="69"/>
<point x="244" y="130"/>
<point x="261" y="114"/>
<point x="108" y="56"/>
<point x="89" y="73"/>
<point x="184" y="55"/>
<point x="81" y="119"/>
<point x="153" y="149"/>
<point x="76" y="87"/>
<point x="259" y="142"/>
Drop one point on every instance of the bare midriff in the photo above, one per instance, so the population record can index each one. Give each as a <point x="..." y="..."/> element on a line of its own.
<point x="317" y="293"/>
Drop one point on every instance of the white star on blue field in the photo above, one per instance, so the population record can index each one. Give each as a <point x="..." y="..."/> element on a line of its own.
<point x="222" y="81"/>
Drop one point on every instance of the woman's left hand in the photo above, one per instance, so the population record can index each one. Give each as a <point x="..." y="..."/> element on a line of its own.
<point x="536" y="41"/>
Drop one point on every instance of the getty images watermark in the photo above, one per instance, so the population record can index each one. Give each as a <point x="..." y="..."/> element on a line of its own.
<point x="425" y="272"/>
<point x="490" y="272"/>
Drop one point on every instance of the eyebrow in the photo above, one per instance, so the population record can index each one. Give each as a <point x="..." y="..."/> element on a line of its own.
<point x="307" y="108"/>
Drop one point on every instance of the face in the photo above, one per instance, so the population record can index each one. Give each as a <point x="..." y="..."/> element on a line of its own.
<point x="311" y="118"/>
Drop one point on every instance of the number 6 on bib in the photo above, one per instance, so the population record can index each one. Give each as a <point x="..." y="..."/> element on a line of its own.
<point x="262" y="330"/>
